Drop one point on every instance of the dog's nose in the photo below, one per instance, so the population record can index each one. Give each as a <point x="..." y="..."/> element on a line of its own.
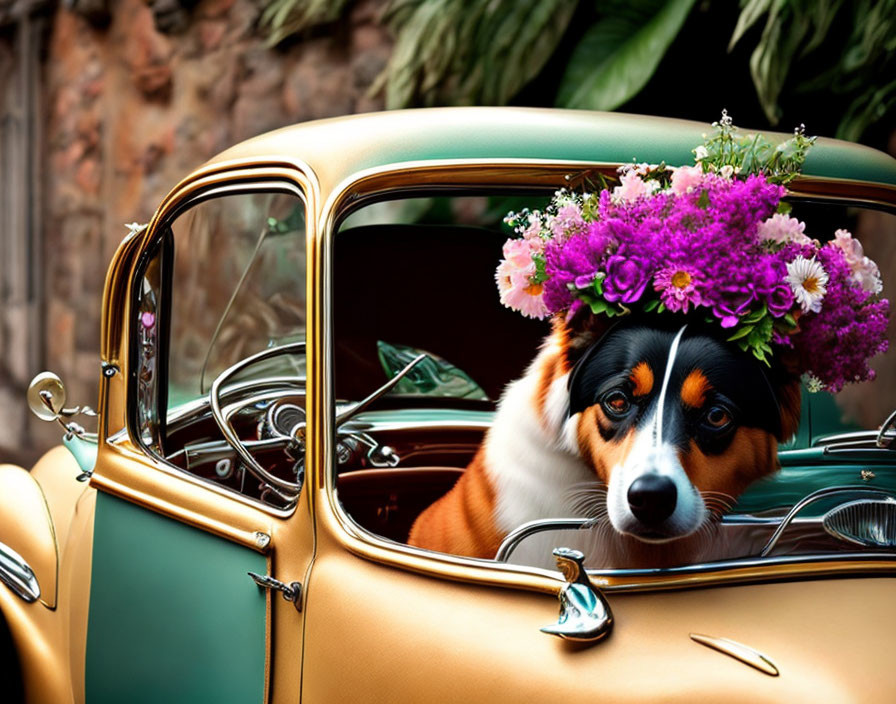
<point x="652" y="498"/>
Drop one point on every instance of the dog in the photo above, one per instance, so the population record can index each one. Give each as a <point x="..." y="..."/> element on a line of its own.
<point x="653" y="429"/>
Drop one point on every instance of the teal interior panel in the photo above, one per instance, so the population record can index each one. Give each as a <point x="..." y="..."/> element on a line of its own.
<point x="173" y="615"/>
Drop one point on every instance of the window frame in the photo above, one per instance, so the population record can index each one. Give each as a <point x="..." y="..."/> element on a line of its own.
<point x="163" y="230"/>
<point x="464" y="175"/>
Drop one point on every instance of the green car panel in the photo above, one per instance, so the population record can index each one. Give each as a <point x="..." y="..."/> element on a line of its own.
<point x="482" y="133"/>
<point x="173" y="615"/>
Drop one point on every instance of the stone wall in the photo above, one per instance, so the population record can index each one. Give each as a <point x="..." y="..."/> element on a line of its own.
<point x="134" y="95"/>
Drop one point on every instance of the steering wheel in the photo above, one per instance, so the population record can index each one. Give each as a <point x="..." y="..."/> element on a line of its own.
<point x="224" y="413"/>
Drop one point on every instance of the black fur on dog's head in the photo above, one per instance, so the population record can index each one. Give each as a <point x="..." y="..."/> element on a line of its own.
<point x="674" y="420"/>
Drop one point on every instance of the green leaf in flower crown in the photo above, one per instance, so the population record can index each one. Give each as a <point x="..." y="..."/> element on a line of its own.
<point x="741" y="332"/>
<point x="540" y="274"/>
<point x="756" y="315"/>
<point x="598" y="283"/>
<point x="620" y="52"/>
<point x="651" y="305"/>
<point x="790" y="320"/>
<point x="703" y="200"/>
<point x="598" y="307"/>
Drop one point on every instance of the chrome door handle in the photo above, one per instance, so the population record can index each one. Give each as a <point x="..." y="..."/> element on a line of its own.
<point x="584" y="612"/>
<point x="291" y="592"/>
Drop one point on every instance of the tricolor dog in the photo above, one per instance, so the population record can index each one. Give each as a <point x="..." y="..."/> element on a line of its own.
<point x="653" y="430"/>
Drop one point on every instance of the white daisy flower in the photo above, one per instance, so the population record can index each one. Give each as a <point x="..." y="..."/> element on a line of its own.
<point x="807" y="279"/>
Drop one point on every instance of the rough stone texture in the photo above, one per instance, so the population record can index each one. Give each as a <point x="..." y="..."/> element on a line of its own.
<point x="134" y="101"/>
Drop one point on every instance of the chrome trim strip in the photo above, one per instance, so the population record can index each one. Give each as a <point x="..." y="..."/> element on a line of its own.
<point x="738" y="651"/>
<point x="520" y="533"/>
<point x="739" y="563"/>
<point x="16" y="574"/>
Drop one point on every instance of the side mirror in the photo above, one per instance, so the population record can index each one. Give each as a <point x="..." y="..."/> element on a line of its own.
<point x="46" y="399"/>
<point x="46" y="396"/>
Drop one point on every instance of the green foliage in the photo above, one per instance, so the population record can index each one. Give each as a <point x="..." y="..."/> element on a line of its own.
<point x="467" y="52"/>
<point x="459" y="52"/>
<point x="620" y="52"/>
<point x="794" y="29"/>
<point x="754" y="334"/>
<point x="287" y="17"/>
<point x="753" y="153"/>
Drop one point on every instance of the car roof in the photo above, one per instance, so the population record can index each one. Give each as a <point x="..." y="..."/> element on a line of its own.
<point x="336" y="148"/>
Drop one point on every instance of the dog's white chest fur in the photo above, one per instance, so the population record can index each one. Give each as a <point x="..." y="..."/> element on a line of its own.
<point x="532" y="462"/>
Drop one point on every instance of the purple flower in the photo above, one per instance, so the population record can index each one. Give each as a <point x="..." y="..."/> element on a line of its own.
<point x="780" y="300"/>
<point x="626" y="278"/>
<point x="732" y="302"/>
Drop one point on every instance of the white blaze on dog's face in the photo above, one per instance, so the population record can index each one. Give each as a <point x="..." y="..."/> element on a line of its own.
<point x="676" y="424"/>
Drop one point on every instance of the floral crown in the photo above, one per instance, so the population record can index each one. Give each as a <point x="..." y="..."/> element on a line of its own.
<point x="711" y="240"/>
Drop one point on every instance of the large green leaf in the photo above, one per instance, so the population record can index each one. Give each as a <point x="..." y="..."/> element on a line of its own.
<point x="799" y="29"/>
<point x="620" y="52"/>
<point x="469" y="51"/>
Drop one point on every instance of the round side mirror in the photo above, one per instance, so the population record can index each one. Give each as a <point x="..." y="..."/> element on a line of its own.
<point x="46" y="396"/>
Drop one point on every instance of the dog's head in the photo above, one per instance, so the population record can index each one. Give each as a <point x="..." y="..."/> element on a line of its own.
<point x="675" y="421"/>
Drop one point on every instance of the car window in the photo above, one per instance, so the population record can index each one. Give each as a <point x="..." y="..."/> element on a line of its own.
<point x="226" y="287"/>
<point x="419" y="274"/>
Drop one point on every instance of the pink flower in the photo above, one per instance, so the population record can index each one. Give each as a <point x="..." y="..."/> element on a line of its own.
<point x="533" y="230"/>
<point x="864" y="271"/>
<point x="632" y="188"/>
<point x="526" y="297"/>
<point x="678" y="288"/>
<point x="686" y="178"/>
<point x="518" y="253"/>
<point x="567" y="222"/>
<point x="782" y="229"/>
<point x="852" y="248"/>
<point x="514" y="279"/>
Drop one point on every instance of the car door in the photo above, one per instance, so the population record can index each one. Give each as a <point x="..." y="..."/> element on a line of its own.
<point x="179" y="522"/>
<point x="385" y="622"/>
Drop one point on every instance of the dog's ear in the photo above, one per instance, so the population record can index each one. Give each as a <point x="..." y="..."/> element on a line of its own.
<point x="577" y="333"/>
<point x="789" y="392"/>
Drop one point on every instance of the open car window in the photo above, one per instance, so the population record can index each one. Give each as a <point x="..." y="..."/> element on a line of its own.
<point x="220" y="348"/>
<point x="419" y="274"/>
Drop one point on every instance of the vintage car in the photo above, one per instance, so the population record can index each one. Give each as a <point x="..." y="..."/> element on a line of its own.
<point x="302" y="350"/>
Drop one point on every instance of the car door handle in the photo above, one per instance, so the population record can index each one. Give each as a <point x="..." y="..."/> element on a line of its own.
<point x="292" y="592"/>
<point x="585" y="615"/>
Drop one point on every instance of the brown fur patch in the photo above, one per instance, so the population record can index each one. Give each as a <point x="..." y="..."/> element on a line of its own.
<point x="751" y="455"/>
<point x="601" y="454"/>
<point x="694" y="389"/>
<point x="642" y="378"/>
<point x="462" y="522"/>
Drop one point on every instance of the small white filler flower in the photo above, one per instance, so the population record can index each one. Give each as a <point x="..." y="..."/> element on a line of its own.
<point x="808" y="280"/>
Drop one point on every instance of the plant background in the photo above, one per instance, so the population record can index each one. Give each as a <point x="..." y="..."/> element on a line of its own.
<point x="106" y="104"/>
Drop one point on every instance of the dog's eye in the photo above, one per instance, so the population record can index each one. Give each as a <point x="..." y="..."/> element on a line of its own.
<point x="616" y="404"/>
<point x="718" y="417"/>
